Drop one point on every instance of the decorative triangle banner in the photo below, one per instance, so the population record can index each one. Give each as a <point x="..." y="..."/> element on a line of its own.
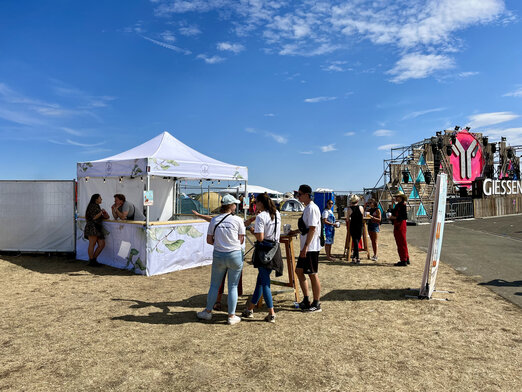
<point x="414" y="194"/>
<point x="422" y="161"/>
<point x="421" y="211"/>
<point x="420" y="177"/>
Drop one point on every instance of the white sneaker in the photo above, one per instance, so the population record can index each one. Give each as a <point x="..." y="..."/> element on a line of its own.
<point x="233" y="320"/>
<point x="374" y="258"/>
<point x="204" y="315"/>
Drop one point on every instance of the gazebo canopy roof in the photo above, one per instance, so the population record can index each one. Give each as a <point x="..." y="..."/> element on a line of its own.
<point x="165" y="156"/>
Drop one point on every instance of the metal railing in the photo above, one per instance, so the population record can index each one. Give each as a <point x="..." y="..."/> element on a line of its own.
<point x="461" y="209"/>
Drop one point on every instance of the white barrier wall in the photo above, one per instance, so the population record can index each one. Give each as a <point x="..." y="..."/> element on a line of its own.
<point x="37" y="216"/>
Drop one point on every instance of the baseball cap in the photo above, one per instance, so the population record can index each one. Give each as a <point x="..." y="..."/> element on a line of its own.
<point x="229" y="199"/>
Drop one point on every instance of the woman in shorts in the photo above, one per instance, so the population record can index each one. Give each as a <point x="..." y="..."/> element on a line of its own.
<point x="374" y="226"/>
<point x="94" y="216"/>
<point x="328" y="218"/>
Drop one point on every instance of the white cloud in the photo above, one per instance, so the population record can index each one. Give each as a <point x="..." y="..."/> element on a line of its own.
<point x="388" y="147"/>
<point x="227" y="46"/>
<point x="73" y="132"/>
<point x="485" y="119"/>
<point x="250" y="130"/>
<point x="328" y="148"/>
<point x="278" y="138"/>
<point x="311" y="28"/>
<point x="517" y="93"/>
<point x="189" y="31"/>
<point x="269" y="115"/>
<point x="168" y="46"/>
<point x="419" y="66"/>
<point x="319" y="99"/>
<point x="383" y="132"/>
<point x="210" y="60"/>
<point x="306" y="152"/>
<point x="74" y="143"/>
<point x="168" y="36"/>
<point x="349" y="134"/>
<point x="513" y="135"/>
<point x="467" y="74"/>
<point x="336" y="66"/>
<point x="422" y="113"/>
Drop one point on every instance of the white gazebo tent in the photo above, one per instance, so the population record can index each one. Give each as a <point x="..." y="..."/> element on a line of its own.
<point x="159" y="244"/>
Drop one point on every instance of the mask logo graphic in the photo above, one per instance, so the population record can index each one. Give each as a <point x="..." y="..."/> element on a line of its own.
<point x="466" y="158"/>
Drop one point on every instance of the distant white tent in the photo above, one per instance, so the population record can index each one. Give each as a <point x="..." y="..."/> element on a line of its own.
<point x="252" y="189"/>
<point x="292" y="205"/>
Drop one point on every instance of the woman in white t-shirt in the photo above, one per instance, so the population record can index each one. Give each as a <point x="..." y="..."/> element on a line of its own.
<point x="226" y="232"/>
<point x="267" y="228"/>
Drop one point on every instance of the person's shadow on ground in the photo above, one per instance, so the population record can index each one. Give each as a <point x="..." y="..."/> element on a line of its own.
<point x="168" y="316"/>
<point x="502" y="283"/>
<point x="60" y="264"/>
<point x="369" y="295"/>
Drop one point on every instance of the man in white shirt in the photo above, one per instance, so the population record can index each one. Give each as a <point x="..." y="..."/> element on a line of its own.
<point x="308" y="262"/>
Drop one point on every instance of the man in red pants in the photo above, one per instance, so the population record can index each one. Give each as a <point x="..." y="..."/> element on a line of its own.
<point x="399" y="217"/>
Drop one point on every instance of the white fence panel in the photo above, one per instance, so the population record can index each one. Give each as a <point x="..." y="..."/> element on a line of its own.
<point x="37" y="216"/>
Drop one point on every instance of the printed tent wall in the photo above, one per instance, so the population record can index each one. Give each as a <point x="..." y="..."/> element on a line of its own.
<point x="158" y="245"/>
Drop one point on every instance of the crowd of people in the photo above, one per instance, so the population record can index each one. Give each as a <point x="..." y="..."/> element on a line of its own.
<point x="227" y="231"/>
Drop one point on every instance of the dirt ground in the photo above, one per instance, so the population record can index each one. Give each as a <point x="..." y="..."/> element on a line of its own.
<point x="68" y="327"/>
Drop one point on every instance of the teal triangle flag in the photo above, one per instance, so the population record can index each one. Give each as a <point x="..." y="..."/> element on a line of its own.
<point x="414" y="194"/>
<point x="422" y="161"/>
<point x="400" y="189"/>
<point x="380" y="208"/>
<point x="421" y="211"/>
<point x="409" y="177"/>
<point x="420" y="177"/>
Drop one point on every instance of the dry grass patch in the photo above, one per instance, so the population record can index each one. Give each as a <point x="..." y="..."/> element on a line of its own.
<point x="68" y="327"/>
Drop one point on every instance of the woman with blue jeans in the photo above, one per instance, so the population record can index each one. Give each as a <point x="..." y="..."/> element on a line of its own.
<point x="267" y="227"/>
<point x="226" y="232"/>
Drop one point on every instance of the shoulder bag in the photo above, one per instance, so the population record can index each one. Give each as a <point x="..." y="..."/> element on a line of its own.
<point x="266" y="250"/>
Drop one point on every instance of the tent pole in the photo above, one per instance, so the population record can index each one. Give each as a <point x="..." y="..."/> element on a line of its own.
<point x="148" y="188"/>
<point x="208" y="197"/>
<point x="245" y="198"/>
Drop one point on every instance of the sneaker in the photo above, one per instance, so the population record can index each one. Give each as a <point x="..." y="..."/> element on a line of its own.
<point x="374" y="258"/>
<point x="233" y="320"/>
<point x="204" y="315"/>
<point x="304" y="305"/>
<point x="401" y="264"/>
<point x="408" y="261"/>
<point x="358" y="261"/>
<point x="315" y="307"/>
<point x="270" y="318"/>
<point x="247" y="313"/>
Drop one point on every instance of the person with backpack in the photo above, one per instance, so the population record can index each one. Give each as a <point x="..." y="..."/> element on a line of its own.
<point x="267" y="229"/>
<point x="226" y="232"/>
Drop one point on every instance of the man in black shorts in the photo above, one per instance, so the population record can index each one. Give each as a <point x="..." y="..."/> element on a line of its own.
<point x="308" y="262"/>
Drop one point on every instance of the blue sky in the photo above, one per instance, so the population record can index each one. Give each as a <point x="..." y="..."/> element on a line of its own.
<point x="299" y="91"/>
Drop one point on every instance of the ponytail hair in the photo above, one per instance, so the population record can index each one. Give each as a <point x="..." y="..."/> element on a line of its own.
<point x="268" y="204"/>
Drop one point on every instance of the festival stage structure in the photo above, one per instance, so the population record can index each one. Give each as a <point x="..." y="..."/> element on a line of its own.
<point x="167" y="241"/>
<point x="483" y="176"/>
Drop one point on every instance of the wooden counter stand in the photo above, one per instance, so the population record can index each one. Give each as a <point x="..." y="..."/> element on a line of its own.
<point x="348" y="242"/>
<point x="287" y="241"/>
